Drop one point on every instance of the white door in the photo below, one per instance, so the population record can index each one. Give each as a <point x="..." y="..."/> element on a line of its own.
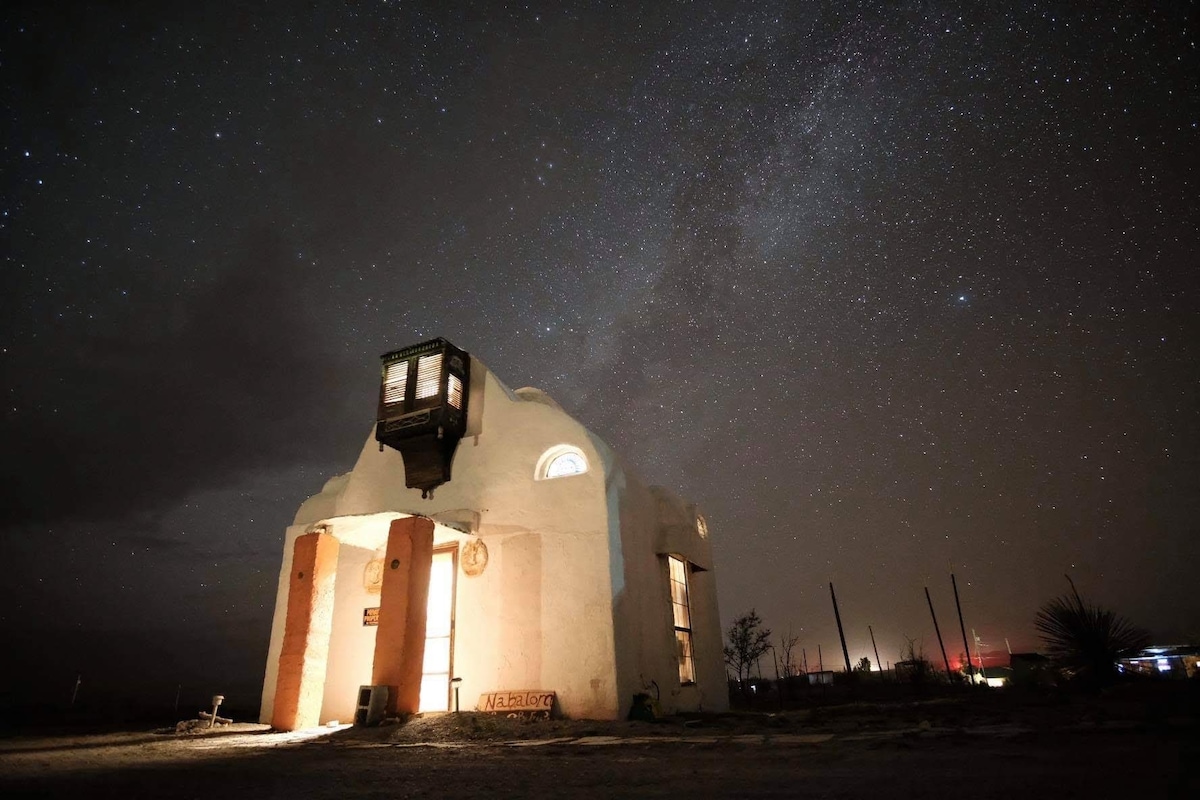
<point x="439" y="615"/>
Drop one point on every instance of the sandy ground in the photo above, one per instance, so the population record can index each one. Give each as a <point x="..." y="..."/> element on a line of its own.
<point x="933" y="749"/>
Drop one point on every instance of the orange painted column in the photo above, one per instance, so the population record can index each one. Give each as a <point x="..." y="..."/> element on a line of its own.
<point x="400" y="637"/>
<point x="300" y="686"/>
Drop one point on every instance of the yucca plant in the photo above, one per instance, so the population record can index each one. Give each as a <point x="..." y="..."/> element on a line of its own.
<point x="1086" y="641"/>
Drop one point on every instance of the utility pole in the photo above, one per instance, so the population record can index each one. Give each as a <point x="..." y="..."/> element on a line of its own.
<point x="841" y="634"/>
<point x="962" y="626"/>
<point x="978" y="653"/>
<point x="938" y="631"/>
<point x="878" y="663"/>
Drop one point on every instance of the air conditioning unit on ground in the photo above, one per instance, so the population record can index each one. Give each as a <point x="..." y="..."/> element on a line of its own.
<point x="372" y="703"/>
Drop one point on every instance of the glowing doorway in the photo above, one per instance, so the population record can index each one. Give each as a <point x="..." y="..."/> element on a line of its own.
<point x="439" y="634"/>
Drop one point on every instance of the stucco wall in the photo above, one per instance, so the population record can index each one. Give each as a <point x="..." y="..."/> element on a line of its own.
<point x="351" y="644"/>
<point x="569" y="560"/>
<point x="278" y="622"/>
<point x="654" y="524"/>
<point x="547" y="574"/>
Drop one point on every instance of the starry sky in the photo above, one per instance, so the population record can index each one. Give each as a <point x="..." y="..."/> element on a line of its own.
<point x="890" y="293"/>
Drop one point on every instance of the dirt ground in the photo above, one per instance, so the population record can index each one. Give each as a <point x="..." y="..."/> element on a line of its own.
<point x="940" y="748"/>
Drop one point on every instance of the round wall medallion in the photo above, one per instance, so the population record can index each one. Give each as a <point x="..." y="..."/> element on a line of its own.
<point x="474" y="557"/>
<point x="373" y="576"/>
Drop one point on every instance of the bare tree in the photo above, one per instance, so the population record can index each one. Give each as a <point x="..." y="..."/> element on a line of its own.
<point x="748" y="640"/>
<point x="913" y="667"/>
<point x="787" y="667"/>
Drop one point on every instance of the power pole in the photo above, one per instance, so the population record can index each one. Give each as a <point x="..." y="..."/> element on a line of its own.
<point x="841" y="634"/>
<point x="963" y="627"/>
<point x="978" y="653"/>
<point x="938" y="631"/>
<point x="878" y="663"/>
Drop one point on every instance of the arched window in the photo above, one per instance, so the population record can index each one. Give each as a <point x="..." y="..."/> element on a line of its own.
<point x="562" y="461"/>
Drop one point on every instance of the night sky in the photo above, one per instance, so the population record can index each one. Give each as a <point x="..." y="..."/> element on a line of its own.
<point x="889" y="294"/>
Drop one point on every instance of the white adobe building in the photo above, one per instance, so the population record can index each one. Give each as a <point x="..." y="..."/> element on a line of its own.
<point x="542" y="566"/>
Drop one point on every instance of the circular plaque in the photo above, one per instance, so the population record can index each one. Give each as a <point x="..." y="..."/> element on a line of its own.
<point x="373" y="576"/>
<point x="474" y="557"/>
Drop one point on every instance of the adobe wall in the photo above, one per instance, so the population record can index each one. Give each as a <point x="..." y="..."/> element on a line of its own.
<point x="575" y="564"/>
<point x="540" y="614"/>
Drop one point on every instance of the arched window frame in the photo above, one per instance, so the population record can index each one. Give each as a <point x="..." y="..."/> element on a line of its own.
<point x="548" y="458"/>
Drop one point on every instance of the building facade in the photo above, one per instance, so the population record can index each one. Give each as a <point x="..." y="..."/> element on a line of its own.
<point x="541" y="565"/>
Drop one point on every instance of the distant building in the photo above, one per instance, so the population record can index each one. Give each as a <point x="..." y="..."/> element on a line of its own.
<point x="1180" y="661"/>
<point x="541" y="565"/>
<point x="1030" y="669"/>
<point x="995" y="677"/>
<point x="822" y="678"/>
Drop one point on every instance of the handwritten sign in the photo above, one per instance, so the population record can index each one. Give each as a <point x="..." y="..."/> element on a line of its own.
<point x="523" y="703"/>
<point x="370" y="617"/>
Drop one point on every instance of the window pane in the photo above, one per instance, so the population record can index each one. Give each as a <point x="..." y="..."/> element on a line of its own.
<point x="395" y="382"/>
<point x="441" y="596"/>
<point x="566" y="464"/>
<point x="435" y="693"/>
<point x="681" y="611"/>
<point x="454" y="394"/>
<point x="683" y="642"/>
<point x="429" y="375"/>
<point x="437" y="655"/>
<point x="678" y="570"/>
<point x="679" y="593"/>
<point x="683" y="619"/>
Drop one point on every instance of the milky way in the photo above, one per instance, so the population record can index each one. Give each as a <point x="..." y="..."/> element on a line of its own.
<point x="888" y="294"/>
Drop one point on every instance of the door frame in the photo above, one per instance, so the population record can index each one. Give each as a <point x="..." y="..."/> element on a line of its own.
<point x="452" y="548"/>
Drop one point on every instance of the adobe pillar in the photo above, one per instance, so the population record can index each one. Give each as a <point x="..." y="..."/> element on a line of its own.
<point x="300" y="686"/>
<point x="400" y="637"/>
